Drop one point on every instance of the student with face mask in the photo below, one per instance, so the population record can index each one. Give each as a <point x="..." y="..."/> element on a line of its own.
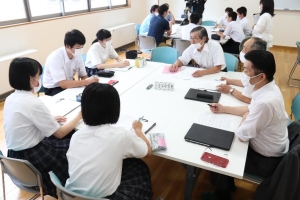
<point x="63" y="63"/>
<point x="146" y="23"/>
<point x="31" y="132"/>
<point x="244" y="21"/>
<point x="222" y="22"/>
<point x="100" y="51"/>
<point x="245" y="96"/>
<point x="207" y="54"/>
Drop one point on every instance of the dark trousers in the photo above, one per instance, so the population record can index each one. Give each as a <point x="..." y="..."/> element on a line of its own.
<point x="91" y="71"/>
<point x="231" y="47"/>
<point x="256" y="164"/>
<point x="53" y="91"/>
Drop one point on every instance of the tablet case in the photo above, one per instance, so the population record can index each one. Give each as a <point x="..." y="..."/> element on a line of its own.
<point x="105" y="73"/>
<point x="209" y="136"/>
<point x="202" y="95"/>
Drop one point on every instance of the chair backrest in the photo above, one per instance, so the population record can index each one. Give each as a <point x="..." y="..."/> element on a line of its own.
<point x="181" y="45"/>
<point x="208" y="23"/>
<point x="298" y="47"/>
<point x="42" y="87"/>
<point x="21" y="171"/>
<point x="164" y="54"/>
<point x="296" y="107"/>
<point x="231" y="62"/>
<point x="137" y="29"/>
<point x="66" y="194"/>
<point x="146" y="42"/>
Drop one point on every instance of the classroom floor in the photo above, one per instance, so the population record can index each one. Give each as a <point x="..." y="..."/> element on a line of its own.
<point x="168" y="177"/>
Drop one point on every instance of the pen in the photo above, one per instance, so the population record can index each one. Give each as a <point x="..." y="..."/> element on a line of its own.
<point x="141" y="118"/>
<point x="115" y="83"/>
<point x="211" y="105"/>
<point x="59" y="100"/>
<point x="129" y="68"/>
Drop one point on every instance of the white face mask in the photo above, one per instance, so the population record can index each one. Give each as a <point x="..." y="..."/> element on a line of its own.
<point x="242" y="57"/>
<point x="78" y="52"/>
<point x="36" y="89"/>
<point x="245" y="79"/>
<point x="260" y="8"/>
<point x="108" y="43"/>
<point x="225" y="15"/>
<point x="156" y="14"/>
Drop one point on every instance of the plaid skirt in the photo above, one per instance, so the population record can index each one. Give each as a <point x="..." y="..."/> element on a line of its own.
<point x="135" y="181"/>
<point x="45" y="158"/>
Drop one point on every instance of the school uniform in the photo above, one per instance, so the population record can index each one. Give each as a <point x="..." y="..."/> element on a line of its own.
<point x="236" y="34"/>
<point x="111" y="168"/>
<point x="210" y="56"/>
<point x="263" y="28"/>
<point x="186" y="31"/>
<point x="97" y="54"/>
<point x="245" y="24"/>
<point x="27" y="122"/>
<point x="158" y="26"/>
<point x="223" y="21"/>
<point x="60" y="67"/>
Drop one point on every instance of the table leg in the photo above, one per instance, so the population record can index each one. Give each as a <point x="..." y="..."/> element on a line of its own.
<point x="192" y="174"/>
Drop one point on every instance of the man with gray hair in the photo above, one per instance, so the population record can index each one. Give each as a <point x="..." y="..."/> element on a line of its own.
<point x="253" y="43"/>
<point x="206" y="53"/>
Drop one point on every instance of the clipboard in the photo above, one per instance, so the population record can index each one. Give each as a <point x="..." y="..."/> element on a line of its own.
<point x="203" y="95"/>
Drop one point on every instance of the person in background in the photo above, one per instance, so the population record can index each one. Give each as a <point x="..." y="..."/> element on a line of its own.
<point x="63" y="63"/>
<point x="170" y="17"/>
<point x="158" y="26"/>
<point x="146" y="23"/>
<point x="113" y="168"/>
<point x="263" y="123"/>
<point x="197" y="7"/>
<point x="31" y="132"/>
<point x="244" y="22"/>
<point x="222" y="22"/>
<point x="208" y="54"/>
<point x="234" y="33"/>
<point x="245" y="96"/>
<point x="99" y="52"/>
<point x="186" y="30"/>
<point x="262" y="29"/>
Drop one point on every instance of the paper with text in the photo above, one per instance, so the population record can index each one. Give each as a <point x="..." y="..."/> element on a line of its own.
<point x="63" y="107"/>
<point x="186" y="74"/>
<point x="123" y="69"/>
<point x="209" y="85"/>
<point x="125" y="121"/>
<point x="166" y="70"/>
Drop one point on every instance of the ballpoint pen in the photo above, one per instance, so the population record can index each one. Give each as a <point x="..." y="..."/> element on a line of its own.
<point x="211" y="106"/>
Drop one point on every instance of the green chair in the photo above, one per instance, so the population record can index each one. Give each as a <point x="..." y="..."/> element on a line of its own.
<point x="164" y="55"/>
<point x="83" y="57"/>
<point x="231" y="62"/>
<point x="42" y="90"/>
<point x="296" y="107"/>
<point x="208" y="23"/>
<point x="293" y="69"/>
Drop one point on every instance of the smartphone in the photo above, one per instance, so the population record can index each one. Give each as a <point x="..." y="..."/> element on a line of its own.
<point x="112" y="82"/>
<point x="215" y="160"/>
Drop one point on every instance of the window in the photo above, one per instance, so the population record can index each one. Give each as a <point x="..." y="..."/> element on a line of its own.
<point x="118" y="2"/>
<point x="12" y="10"/>
<point x="99" y="4"/>
<point x="44" y="7"/>
<point x="75" y="5"/>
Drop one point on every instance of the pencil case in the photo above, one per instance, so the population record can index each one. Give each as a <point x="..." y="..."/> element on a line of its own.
<point x="158" y="141"/>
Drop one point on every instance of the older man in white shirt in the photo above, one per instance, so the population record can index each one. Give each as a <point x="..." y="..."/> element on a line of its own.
<point x="263" y="124"/>
<point x="186" y="30"/>
<point x="208" y="54"/>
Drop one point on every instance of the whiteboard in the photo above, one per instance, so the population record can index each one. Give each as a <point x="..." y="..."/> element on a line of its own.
<point x="287" y="4"/>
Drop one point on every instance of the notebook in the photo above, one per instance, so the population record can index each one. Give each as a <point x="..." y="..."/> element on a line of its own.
<point x="203" y="95"/>
<point x="208" y="136"/>
<point x="63" y="107"/>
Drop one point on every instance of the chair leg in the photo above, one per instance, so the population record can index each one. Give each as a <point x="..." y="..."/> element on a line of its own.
<point x="291" y="74"/>
<point x="36" y="196"/>
<point x="42" y="192"/>
<point x="3" y="184"/>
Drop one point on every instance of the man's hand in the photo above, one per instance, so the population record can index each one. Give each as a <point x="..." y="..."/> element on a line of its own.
<point x="223" y="88"/>
<point x="198" y="73"/>
<point x="217" y="108"/>
<point x="174" y="67"/>
<point x="226" y="79"/>
<point x="92" y="79"/>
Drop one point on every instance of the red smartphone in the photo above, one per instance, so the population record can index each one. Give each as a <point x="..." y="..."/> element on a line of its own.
<point x="112" y="82"/>
<point x="216" y="160"/>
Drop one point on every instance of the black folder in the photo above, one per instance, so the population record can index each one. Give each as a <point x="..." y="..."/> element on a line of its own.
<point x="203" y="95"/>
<point x="209" y="136"/>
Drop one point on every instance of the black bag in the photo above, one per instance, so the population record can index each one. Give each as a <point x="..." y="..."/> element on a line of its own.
<point x="215" y="37"/>
<point x="105" y="73"/>
<point x="132" y="54"/>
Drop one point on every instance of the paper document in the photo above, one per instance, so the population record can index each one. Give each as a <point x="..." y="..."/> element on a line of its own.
<point x="209" y="85"/>
<point x="72" y="115"/>
<point x="220" y="121"/>
<point x="233" y="75"/>
<point x="125" y="121"/>
<point x="123" y="69"/>
<point x="166" y="69"/>
<point x="49" y="100"/>
<point x="186" y="74"/>
<point x="63" y="107"/>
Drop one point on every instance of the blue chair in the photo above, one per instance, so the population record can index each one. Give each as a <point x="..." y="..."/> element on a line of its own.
<point x="83" y="57"/>
<point x="42" y="88"/>
<point x="293" y="69"/>
<point x="164" y="54"/>
<point x="66" y="194"/>
<point x="231" y="62"/>
<point x="296" y="107"/>
<point x="208" y="23"/>
<point x="137" y="29"/>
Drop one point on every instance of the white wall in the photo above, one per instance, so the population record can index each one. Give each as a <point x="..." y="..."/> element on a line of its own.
<point x="286" y="25"/>
<point x="49" y="35"/>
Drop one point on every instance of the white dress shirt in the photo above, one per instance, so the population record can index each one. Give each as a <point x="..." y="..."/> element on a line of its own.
<point x="60" y="67"/>
<point x="186" y="30"/>
<point x="234" y="31"/>
<point x="222" y="21"/>
<point x="245" y="24"/>
<point x="263" y="28"/>
<point x="211" y="55"/>
<point x="266" y="124"/>
<point x="27" y="121"/>
<point x="95" y="158"/>
<point x="97" y="54"/>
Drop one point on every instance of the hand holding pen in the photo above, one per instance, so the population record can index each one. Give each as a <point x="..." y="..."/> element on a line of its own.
<point x="137" y="125"/>
<point x="216" y="108"/>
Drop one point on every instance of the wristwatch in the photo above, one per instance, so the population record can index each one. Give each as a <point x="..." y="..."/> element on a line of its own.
<point x="231" y="90"/>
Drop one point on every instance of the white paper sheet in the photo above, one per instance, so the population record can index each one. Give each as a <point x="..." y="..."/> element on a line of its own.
<point x="125" y="121"/>
<point x="209" y="85"/>
<point x="186" y="74"/>
<point x="123" y="69"/>
<point x="63" y="107"/>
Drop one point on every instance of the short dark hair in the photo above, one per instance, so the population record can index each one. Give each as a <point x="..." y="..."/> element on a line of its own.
<point x="163" y="8"/>
<point x="268" y="7"/>
<point x="153" y="8"/>
<point x="100" y="104"/>
<point x="233" y="15"/>
<point x="101" y="35"/>
<point x="167" y="5"/>
<point x="228" y="9"/>
<point x="74" y="37"/>
<point x="242" y="10"/>
<point x="20" y="71"/>
<point x="201" y="32"/>
<point x="195" y="18"/>
<point x="262" y="62"/>
<point x="258" y="44"/>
